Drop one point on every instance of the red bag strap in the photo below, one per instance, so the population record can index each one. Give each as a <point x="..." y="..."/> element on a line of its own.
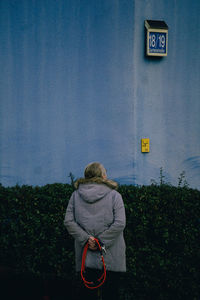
<point x="101" y="280"/>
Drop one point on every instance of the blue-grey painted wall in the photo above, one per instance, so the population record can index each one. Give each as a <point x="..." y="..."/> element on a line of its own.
<point x="76" y="87"/>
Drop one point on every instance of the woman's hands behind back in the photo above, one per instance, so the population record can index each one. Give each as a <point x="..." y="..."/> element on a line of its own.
<point x="92" y="243"/>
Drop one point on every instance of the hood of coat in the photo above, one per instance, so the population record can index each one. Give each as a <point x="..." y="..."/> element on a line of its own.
<point x="94" y="189"/>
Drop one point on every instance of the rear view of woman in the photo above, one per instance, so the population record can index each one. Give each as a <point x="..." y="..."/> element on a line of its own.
<point x="96" y="211"/>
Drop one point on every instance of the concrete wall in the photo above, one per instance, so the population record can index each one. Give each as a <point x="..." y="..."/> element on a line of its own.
<point x="76" y="87"/>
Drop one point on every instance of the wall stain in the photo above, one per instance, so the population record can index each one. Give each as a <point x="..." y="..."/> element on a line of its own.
<point x="192" y="162"/>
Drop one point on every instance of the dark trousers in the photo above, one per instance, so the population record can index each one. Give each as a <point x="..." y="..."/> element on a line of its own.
<point x="109" y="290"/>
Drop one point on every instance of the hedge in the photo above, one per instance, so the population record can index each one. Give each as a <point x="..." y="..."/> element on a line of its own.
<point x="162" y="237"/>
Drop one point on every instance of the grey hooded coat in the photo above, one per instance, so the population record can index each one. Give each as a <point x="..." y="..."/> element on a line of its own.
<point x="97" y="209"/>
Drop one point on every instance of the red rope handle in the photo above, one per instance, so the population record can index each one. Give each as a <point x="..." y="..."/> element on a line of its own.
<point x="90" y="284"/>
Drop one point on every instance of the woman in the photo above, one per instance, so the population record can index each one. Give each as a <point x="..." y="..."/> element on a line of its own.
<point x="96" y="210"/>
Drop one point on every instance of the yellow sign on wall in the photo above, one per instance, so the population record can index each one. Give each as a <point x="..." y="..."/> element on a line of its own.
<point x="145" y="145"/>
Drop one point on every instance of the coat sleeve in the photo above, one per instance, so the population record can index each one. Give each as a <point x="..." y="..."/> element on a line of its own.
<point x="72" y="226"/>
<point x="109" y="235"/>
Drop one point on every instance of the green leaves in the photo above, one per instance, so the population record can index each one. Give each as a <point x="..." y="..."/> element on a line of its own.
<point x="163" y="233"/>
<point x="162" y="237"/>
<point x="32" y="231"/>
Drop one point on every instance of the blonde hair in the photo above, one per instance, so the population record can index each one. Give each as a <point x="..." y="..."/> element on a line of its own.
<point x="95" y="169"/>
